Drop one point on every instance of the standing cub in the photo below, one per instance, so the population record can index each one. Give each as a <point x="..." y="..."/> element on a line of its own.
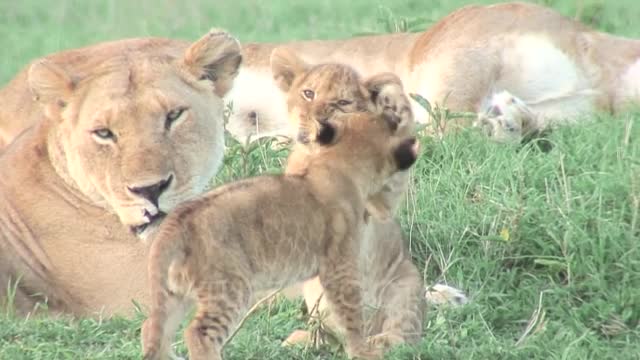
<point x="273" y="231"/>
<point x="393" y="289"/>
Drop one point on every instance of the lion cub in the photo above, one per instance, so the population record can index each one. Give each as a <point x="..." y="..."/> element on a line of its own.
<point x="327" y="89"/>
<point x="271" y="231"/>
<point x="393" y="288"/>
<point x="317" y="92"/>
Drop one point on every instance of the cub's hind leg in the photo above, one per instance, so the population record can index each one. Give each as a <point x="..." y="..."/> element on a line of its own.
<point x="159" y="330"/>
<point x="221" y="302"/>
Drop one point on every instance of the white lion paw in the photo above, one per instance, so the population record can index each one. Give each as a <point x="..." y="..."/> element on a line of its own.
<point x="440" y="294"/>
<point x="173" y="356"/>
<point x="506" y="118"/>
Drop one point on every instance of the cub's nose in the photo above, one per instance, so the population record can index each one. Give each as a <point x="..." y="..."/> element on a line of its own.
<point x="152" y="192"/>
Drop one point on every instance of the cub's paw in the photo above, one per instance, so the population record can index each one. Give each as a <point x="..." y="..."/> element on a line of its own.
<point x="439" y="294"/>
<point x="298" y="337"/>
<point x="385" y="340"/>
<point x="365" y="352"/>
<point x="396" y="108"/>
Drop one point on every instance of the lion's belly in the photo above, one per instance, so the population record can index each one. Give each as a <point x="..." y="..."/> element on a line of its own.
<point x="530" y="66"/>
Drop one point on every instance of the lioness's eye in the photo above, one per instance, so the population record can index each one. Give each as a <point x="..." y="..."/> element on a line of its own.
<point x="308" y="94"/>
<point x="344" y="102"/>
<point x="104" y="134"/>
<point x="172" y="116"/>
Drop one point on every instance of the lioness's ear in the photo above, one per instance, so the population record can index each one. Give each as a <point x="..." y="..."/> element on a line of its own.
<point x="50" y="85"/>
<point x="375" y="83"/>
<point x="215" y="57"/>
<point x="406" y="153"/>
<point x="286" y="66"/>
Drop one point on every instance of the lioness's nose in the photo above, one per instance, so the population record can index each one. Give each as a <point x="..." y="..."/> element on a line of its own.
<point x="152" y="192"/>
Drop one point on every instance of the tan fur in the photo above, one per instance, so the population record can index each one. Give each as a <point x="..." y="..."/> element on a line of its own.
<point x="126" y="131"/>
<point x="393" y="289"/>
<point x="272" y="231"/>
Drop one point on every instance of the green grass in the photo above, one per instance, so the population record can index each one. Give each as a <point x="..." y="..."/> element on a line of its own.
<point x="546" y="244"/>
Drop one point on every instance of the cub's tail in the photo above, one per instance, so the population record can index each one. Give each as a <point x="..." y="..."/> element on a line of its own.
<point x="166" y="249"/>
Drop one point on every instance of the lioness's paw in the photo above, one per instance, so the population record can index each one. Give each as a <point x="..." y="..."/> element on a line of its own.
<point x="506" y="118"/>
<point x="439" y="294"/>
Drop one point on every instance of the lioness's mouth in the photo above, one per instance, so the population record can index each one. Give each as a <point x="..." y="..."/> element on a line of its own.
<point x="153" y="220"/>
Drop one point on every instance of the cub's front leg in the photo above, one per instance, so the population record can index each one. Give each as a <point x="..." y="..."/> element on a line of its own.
<point x="402" y="306"/>
<point x="341" y="280"/>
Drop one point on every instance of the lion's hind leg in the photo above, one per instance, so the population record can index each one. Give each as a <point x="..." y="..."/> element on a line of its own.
<point x="221" y="302"/>
<point x="159" y="329"/>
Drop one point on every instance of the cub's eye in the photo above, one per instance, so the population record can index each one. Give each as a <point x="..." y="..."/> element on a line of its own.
<point x="308" y="94"/>
<point x="344" y="102"/>
<point x="173" y="116"/>
<point x="104" y="134"/>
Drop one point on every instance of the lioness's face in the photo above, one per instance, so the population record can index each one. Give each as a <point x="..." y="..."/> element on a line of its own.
<point x="316" y="93"/>
<point x="141" y="133"/>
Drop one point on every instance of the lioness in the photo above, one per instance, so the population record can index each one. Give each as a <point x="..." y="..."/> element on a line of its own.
<point x="270" y="231"/>
<point x="127" y="131"/>
<point x="393" y="288"/>
<point x="556" y="67"/>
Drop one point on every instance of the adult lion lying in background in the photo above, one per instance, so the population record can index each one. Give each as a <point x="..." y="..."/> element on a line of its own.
<point x="522" y="66"/>
<point x="124" y="132"/>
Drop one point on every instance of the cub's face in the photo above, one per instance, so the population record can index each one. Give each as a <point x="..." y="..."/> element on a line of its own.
<point x="140" y="132"/>
<point x="317" y="93"/>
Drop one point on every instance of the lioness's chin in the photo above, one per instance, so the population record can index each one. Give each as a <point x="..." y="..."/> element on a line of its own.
<point x="144" y="231"/>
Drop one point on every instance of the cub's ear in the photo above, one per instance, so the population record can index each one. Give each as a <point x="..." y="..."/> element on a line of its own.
<point x="375" y="83"/>
<point x="50" y="85"/>
<point x="406" y="153"/>
<point x="286" y="66"/>
<point x="215" y="57"/>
